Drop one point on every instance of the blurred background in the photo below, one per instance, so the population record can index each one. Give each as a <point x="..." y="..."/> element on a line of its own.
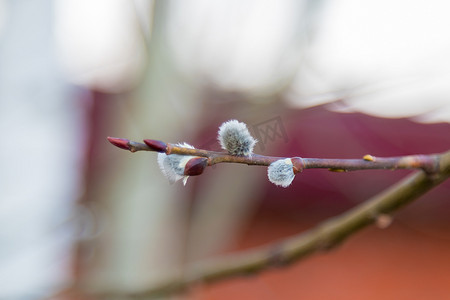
<point x="310" y="78"/>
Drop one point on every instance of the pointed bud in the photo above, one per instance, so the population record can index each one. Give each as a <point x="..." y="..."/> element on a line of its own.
<point x="369" y="157"/>
<point x="119" y="142"/>
<point x="156" y="145"/>
<point x="195" y="166"/>
<point x="281" y="172"/>
<point x="236" y="139"/>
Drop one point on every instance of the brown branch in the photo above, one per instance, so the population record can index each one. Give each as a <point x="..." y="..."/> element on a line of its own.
<point x="427" y="163"/>
<point x="323" y="237"/>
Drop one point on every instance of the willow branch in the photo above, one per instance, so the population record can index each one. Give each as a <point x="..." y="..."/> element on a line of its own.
<point x="427" y="163"/>
<point x="324" y="237"/>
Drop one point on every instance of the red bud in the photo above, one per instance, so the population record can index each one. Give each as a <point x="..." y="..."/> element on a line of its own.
<point x="195" y="166"/>
<point x="119" y="142"/>
<point x="156" y="145"/>
<point x="298" y="164"/>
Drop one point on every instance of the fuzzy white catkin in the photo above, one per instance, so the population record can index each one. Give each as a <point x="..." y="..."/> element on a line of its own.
<point x="235" y="138"/>
<point x="281" y="172"/>
<point x="172" y="166"/>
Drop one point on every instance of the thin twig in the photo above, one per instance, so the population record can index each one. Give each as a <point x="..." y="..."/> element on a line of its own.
<point x="427" y="163"/>
<point x="321" y="238"/>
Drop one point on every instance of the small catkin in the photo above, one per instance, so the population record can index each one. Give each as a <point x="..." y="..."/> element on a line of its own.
<point x="236" y="139"/>
<point x="172" y="166"/>
<point x="281" y="172"/>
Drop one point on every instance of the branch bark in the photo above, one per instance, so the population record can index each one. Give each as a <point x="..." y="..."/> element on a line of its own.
<point x="427" y="163"/>
<point x="324" y="237"/>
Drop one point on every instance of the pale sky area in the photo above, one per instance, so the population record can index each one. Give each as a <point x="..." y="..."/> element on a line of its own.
<point x="384" y="56"/>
